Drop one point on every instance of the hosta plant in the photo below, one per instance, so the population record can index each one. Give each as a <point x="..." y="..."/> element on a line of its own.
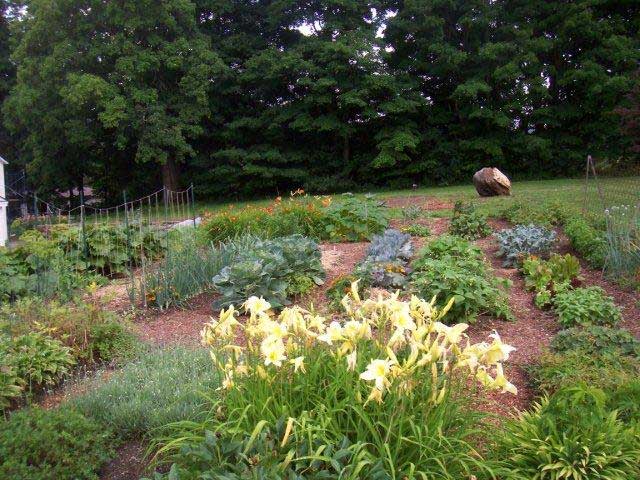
<point x="522" y="240"/>
<point x="468" y="223"/>
<point x="386" y="377"/>
<point x="586" y="306"/>
<point x="274" y="269"/>
<point x="570" y="436"/>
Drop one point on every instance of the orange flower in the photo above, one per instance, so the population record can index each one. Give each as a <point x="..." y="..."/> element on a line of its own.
<point x="326" y="202"/>
<point x="278" y="199"/>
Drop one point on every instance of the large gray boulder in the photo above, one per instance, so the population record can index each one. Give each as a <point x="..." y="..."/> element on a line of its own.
<point x="490" y="182"/>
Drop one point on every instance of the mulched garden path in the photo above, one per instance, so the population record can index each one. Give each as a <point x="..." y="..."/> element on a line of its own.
<point x="530" y="333"/>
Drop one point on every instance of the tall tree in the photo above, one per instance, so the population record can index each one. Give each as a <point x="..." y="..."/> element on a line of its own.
<point x="103" y="86"/>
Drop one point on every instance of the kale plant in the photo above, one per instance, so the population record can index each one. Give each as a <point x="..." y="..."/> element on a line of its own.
<point x="522" y="240"/>
<point x="386" y="262"/>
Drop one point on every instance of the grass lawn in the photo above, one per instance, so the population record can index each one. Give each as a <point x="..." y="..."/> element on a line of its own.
<point x="571" y="192"/>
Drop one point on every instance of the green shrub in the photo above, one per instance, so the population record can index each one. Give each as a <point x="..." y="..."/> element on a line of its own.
<point x="451" y="267"/>
<point x="38" y="444"/>
<point x="93" y="333"/>
<point x="546" y="214"/>
<point x="573" y="367"/>
<point x="35" y="359"/>
<point x="274" y="269"/>
<point x="589" y="242"/>
<point x="355" y="219"/>
<point x="596" y="340"/>
<point x="523" y="240"/>
<point x="570" y="436"/>
<point x="160" y="387"/>
<point x="417" y="230"/>
<point x="468" y="223"/>
<point x="586" y="306"/>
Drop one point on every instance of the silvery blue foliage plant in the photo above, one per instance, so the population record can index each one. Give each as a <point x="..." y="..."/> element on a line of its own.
<point x="523" y="240"/>
<point x="386" y="264"/>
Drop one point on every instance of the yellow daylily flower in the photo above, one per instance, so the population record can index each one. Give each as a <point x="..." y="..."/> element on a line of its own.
<point x="377" y="372"/>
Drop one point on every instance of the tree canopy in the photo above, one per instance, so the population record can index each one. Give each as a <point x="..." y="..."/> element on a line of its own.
<point x="251" y="97"/>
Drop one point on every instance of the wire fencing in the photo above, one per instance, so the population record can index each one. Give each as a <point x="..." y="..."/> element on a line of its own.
<point x="613" y="198"/>
<point x="61" y="250"/>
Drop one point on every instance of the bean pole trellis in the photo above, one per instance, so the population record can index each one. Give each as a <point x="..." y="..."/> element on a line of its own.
<point x="114" y="235"/>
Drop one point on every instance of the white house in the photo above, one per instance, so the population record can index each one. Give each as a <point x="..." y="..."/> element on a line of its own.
<point x="3" y="205"/>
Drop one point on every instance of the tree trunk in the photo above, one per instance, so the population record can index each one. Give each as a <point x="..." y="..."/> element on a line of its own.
<point x="346" y="150"/>
<point x="170" y="175"/>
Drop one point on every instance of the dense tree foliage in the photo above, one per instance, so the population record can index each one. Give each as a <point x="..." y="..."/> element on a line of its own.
<point x="249" y="97"/>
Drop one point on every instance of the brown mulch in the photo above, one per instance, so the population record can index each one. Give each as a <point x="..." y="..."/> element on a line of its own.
<point x="176" y="325"/>
<point x="427" y="203"/>
<point x="530" y="333"/>
<point x="129" y="462"/>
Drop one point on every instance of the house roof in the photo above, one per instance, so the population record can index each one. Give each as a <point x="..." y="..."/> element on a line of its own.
<point x="3" y="161"/>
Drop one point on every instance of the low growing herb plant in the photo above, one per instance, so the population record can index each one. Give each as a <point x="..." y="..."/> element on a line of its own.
<point x="588" y="241"/>
<point x="355" y="219"/>
<point x="596" y="340"/>
<point x="586" y="306"/>
<point x="468" y="223"/>
<point x="451" y="267"/>
<point x="417" y="230"/>
<point x="384" y="388"/>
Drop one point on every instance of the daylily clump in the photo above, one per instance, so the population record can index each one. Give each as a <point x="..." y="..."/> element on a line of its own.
<point x="385" y="342"/>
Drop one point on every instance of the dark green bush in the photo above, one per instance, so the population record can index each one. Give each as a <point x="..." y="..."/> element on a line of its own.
<point x="570" y="436"/>
<point x="589" y="242"/>
<point x="596" y="340"/>
<point x="38" y="444"/>
<point x="586" y="306"/>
